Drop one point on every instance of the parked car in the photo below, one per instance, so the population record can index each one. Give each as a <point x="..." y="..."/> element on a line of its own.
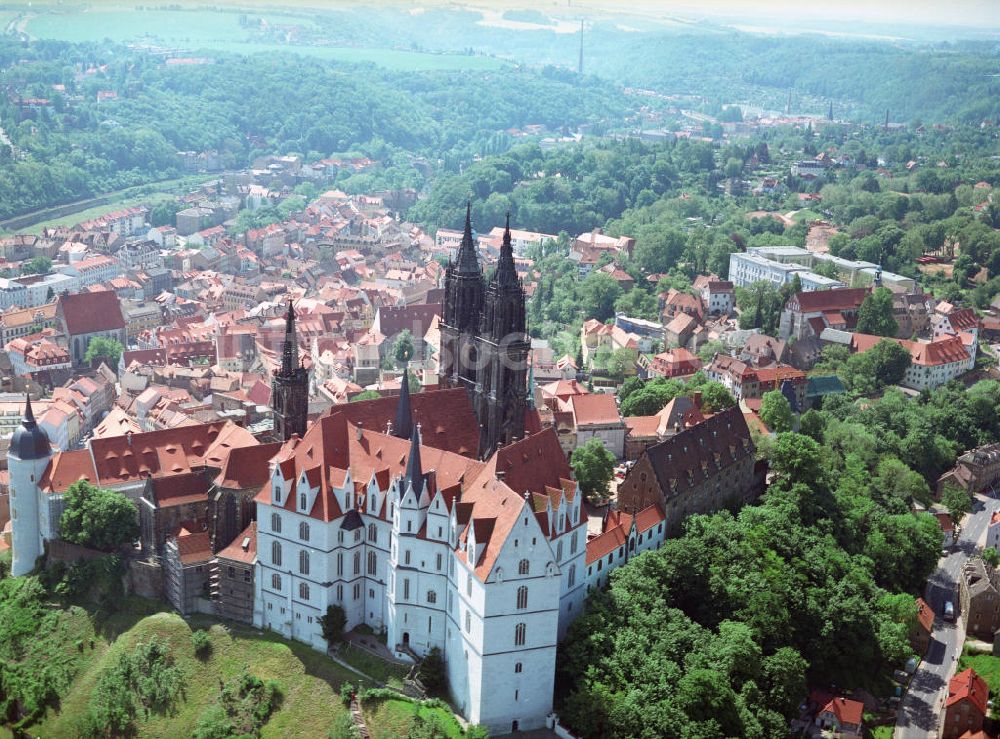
<point x="949" y="611"/>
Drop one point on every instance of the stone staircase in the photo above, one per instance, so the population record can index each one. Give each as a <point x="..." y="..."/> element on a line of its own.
<point x="359" y="719"/>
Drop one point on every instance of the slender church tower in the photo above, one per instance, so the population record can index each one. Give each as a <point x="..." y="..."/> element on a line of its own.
<point x="502" y="349"/>
<point x="27" y="457"/>
<point x="463" y="304"/>
<point x="290" y="386"/>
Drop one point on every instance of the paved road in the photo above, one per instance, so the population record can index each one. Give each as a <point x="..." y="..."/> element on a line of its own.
<point x="918" y="715"/>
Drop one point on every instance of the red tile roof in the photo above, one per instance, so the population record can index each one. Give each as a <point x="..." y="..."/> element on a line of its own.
<point x="193" y="548"/>
<point x="594" y="409"/>
<point x="247" y="467"/>
<point x="846" y="710"/>
<point x="532" y="464"/>
<point x="235" y="550"/>
<point x="925" y="615"/>
<point x="90" y="312"/>
<point x="836" y="299"/>
<point x="943" y="351"/>
<point x="66" y="468"/>
<point x="968" y="685"/>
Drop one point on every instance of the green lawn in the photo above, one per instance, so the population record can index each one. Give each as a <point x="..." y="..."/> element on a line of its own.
<point x="220" y="31"/>
<point x="390" y="673"/>
<point x="883" y="732"/>
<point x="307" y="678"/>
<point x="390" y="719"/>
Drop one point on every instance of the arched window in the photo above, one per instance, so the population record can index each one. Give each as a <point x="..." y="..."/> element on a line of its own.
<point x="523" y="567"/>
<point x="518" y="667"/>
<point x="572" y="575"/>
<point x="302" y="501"/>
<point x="276" y="523"/>
<point x="304" y="562"/>
<point x="304" y="531"/>
<point x="276" y="553"/>
<point x="304" y="590"/>
<point x="572" y="544"/>
<point x="519" y="635"/>
<point x="372" y="533"/>
<point x="522" y="597"/>
<point x="371" y="563"/>
<point x="276" y="581"/>
<point x="432" y="596"/>
<point x="559" y="551"/>
<point x="468" y="622"/>
<point x="357" y="563"/>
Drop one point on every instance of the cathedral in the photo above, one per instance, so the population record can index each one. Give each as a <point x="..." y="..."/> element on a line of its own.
<point x="484" y="344"/>
<point x="290" y="387"/>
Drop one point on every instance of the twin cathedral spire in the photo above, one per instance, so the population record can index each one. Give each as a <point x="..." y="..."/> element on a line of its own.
<point x="484" y="344"/>
<point x="484" y="349"/>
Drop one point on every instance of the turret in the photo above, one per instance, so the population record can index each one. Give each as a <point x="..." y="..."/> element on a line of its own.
<point x="27" y="458"/>
<point x="403" y="426"/>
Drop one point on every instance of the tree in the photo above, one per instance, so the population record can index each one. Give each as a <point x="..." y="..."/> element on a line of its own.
<point x="776" y="411"/>
<point x="957" y="501"/>
<point x="40" y="265"/>
<point x="715" y="397"/>
<point x="593" y="466"/>
<point x="103" y="349"/>
<point x="402" y="347"/>
<point x="98" y="518"/>
<point x="598" y="294"/>
<point x="875" y="314"/>
<point x="991" y="557"/>
<point x="869" y="372"/>
<point x="333" y="623"/>
<point x="432" y="672"/>
<point x="366" y="395"/>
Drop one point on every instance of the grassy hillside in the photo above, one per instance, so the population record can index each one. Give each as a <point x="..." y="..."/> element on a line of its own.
<point x="308" y="681"/>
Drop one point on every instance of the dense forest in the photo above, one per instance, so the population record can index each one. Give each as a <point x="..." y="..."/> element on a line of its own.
<point x="716" y="633"/>
<point x="246" y="106"/>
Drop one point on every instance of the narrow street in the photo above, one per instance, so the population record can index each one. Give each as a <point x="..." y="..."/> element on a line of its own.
<point x="919" y="711"/>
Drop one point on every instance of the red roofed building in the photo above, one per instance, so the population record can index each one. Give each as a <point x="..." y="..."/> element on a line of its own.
<point x="922" y="627"/>
<point x="231" y="577"/>
<point x="85" y="316"/>
<point x="185" y="569"/>
<point x="843" y="716"/>
<point x="622" y="537"/>
<point x="596" y="416"/>
<point x="674" y="363"/>
<point x="932" y="364"/>
<point x="966" y="706"/>
<point x="839" y="305"/>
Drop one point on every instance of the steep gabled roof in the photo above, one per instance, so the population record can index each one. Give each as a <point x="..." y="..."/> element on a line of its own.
<point x="968" y="685"/>
<point x="90" y="312"/>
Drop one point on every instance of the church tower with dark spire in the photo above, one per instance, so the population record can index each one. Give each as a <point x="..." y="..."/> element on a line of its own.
<point x="290" y="386"/>
<point x="463" y="305"/>
<point x="502" y="348"/>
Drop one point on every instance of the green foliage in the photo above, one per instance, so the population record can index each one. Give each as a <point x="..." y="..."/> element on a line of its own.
<point x="866" y="373"/>
<point x="593" y="466"/>
<point x="202" y="644"/>
<point x="40" y="265"/>
<point x="875" y="315"/>
<point x="103" y="349"/>
<point x="599" y="293"/>
<point x="344" y="728"/>
<point x="366" y="395"/>
<point x="991" y="556"/>
<point x="333" y="623"/>
<point x="776" y="412"/>
<point x="346" y="693"/>
<point x="402" y="347"/>
<point x="760" y="306"/>
<point x="957" y="501"/>
<point x="140" y="682"/>
<point x="433" y="674"/>
<point x="245" y="704"/>
<point x="98" y="518"/>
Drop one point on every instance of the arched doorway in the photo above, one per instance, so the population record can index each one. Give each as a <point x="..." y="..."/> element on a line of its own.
<point x="406" y="638"/>
<point x="514" y="726"/>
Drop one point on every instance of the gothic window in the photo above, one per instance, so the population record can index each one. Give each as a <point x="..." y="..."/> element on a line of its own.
<point x="357" y="563"/>
<point x="406" y="557"/>
<point x="302" y="501"/>
<point x="304" y="531"/>
<point x="559" y="551"/>
<point x="522" y="597"/>
<point x="432" y="596"/>
<point x="276" y="581"/>
<point x="304" y="590"/>
<point x="372" y="533"/>
<point x="572" y="575"/>
<point x="304" y="562"/>
<point x="517" y="667"/>
<point x="371" y="563"/>
<point x="276" y="553"/>
<point x="437" y="561"/>
<point x="523" y="567"/>
<point x="340" y="563"/>
<point x="572" y="544"/>
<point x="406" y="588"/>
<point x="519" y="633"/>
<point x="468" y="622"/>
<point x="276" y="523"/>
<point x="468" y="584"/>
